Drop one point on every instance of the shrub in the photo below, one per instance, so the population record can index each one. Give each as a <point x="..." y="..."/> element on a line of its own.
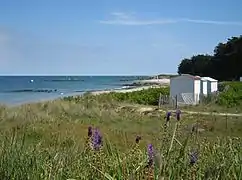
<point x="209" y="98"/>
<point x="232" y="96"/>
<point x="146" y="96"/>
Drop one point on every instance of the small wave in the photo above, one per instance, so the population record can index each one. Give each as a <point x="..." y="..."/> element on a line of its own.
<point x="32" y="90"/>
<point x="79" y="91"/>
<point x="128" y="87"/>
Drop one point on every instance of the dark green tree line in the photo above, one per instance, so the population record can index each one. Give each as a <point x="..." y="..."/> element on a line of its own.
<point x="224" y="64"/>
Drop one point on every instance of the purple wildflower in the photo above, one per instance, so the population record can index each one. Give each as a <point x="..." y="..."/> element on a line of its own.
<point x="168" y="116"/>
<point x="193" y="157"/>
<point x="89" y="133"/>
<point x="150" y="155"/>
<point x="96" y="140"/>
<point x="138" y="138"/>
<point x="178" y="114"/>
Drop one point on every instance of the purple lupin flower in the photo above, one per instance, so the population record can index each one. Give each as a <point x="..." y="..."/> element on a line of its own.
<point x="96" y="140"/>
<point x="168" y="116"/>
<point x="150" y="155"/>
<point x="193" y="157"/>
<point x="89" y="133"/>
<point x="178" y="114"/>
<point x="138" y="138"/>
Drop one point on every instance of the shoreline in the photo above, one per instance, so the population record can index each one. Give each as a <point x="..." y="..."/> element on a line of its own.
<point x="94" y="92"/>
<point x="149" y="82"/>
<point x="133" y="86"/>
<point x="140" y="88"/>
<point x="137" y="86"/>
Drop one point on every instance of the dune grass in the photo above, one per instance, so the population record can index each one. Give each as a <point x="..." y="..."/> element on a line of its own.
<point x="49" y="141"/>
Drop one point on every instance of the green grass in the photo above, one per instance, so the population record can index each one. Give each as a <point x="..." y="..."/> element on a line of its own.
<point x="228" y="100"/>
<point x="146" y="96"/>
<point x="48" y="141"/>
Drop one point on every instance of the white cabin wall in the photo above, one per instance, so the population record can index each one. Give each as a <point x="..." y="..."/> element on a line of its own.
<point x="214" y="86"/>
<point x="204" y="87"/>
<point x="197" y="87"/>
<point x="197" y="90"/>
<point x="181" y="84"/>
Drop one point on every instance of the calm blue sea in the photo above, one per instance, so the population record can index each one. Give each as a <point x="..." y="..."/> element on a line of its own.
<point x="23" y="89"/>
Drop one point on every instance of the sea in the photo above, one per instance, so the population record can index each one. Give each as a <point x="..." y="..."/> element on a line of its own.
<point x="17" y="90"/>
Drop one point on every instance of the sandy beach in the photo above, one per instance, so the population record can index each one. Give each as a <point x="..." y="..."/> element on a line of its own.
<point x="164" y="81"/>
<point x="156" y="83"/>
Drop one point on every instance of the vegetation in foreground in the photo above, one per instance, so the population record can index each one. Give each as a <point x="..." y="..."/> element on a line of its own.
<point x="146" y="96"/>
<point x="53" y="140"/>
<point x="231" y="94"/>
<point x="227" y="100"/>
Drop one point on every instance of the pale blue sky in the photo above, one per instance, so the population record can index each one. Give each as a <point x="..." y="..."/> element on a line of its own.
<point x="105" y="37"/>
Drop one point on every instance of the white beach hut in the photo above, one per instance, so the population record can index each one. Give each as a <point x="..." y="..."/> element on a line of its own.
<point x="204" y="86"/>
<point x="208" y="85"/>
<point x="186" y="88"/>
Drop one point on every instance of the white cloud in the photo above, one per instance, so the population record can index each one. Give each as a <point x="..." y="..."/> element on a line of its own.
<point x="121" y="15"/>
<point x="199" y="21"/>
<point x="121" y="18"/>
<point x="137" y="22"/>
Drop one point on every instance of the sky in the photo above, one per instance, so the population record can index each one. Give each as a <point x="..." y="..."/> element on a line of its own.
<point x="110" y="37"/>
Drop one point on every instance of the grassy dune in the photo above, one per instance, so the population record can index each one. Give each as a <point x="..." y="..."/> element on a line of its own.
<point x="49" y="141"/>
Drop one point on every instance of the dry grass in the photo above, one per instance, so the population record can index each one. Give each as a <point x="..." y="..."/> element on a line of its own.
<point x="47" y="141"/>
<point x="213" y="108"/>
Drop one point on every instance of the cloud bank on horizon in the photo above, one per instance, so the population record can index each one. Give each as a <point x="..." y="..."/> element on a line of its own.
<point x="122" y="18"/>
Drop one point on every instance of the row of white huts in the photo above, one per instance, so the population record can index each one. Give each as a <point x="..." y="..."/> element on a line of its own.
<point x="188" y="88"/>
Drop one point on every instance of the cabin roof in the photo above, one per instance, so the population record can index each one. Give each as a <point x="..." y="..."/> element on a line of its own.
<point x="198" y="78"/>
<point x="208" y="79"/>
<point x="191" y="76"/>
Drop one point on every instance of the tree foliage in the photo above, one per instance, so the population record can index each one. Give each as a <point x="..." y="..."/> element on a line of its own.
<point x="224" y="64"/>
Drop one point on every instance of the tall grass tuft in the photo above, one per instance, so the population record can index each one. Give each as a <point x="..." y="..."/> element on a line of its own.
<point x="70" y="140"/>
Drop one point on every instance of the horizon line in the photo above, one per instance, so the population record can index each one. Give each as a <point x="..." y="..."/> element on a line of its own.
<point x="1" y="75"/>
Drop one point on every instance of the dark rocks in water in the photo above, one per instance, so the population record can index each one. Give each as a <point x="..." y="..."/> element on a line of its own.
<point x="33" y="90"/>
<point x="132" y="84"/>
<point x="138" y="84"/>
<point x="123" y="80"/>
<point x="63" y="80"/>
<point x="143" y="78"/>
<point x="45" y="90"/>
<point x="135" y="78"/>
